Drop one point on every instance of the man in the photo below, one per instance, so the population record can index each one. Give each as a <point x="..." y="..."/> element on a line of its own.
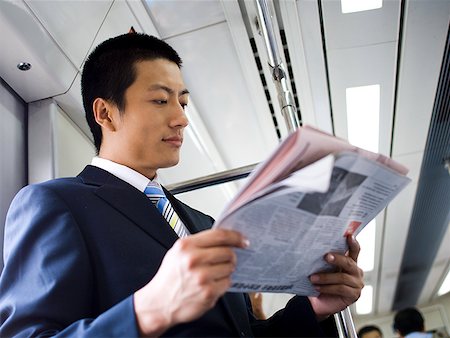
<point x="409" y="323"/>
<point x="370" y="331"/>
<point x="92" y="256"/>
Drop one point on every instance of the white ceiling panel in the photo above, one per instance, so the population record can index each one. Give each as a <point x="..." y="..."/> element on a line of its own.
<point x="23" y="39"/>
<point x="70" y="33"/>
<point x="368" y="65"/>
<point x="118" y="21"/>
<point x="140" y="12"/>
<point x="396" y="228"/>
<point x="395" y="233"/>
<point x="176" y="17"/>
<point x="305" y="62"/>
<point x="262" y="52"/>
<point x="438" y="271"/>
<point x="249" y="69"/>
<point x="121" y="16"/>
<point x="421" y="56"/>
<point x="413" y="162"/>
<point x="360" y="28"/>
<point x="308" y="16"/>
<point x="213" y="75"/>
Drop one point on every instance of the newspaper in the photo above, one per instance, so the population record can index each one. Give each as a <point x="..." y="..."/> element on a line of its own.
<point x="295" y="210"/>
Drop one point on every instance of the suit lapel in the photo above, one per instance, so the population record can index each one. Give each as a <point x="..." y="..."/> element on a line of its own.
<point x="131" y="203"/>
<point x="189" y="216"/>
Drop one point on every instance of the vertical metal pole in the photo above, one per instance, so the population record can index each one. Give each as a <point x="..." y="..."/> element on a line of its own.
<point x="344" y="320"/>
<point x="350" y="325"/>
<point x="285" y="98"/>
<point x="340" y="325"/>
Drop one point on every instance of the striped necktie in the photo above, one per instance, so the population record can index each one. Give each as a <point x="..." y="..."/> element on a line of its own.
<point x="156" y="195"/>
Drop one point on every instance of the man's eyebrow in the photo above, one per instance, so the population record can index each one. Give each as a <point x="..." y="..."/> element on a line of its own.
<point x="168" y="90"/>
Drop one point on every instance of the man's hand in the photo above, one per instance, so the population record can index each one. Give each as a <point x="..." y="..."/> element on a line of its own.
<point x="338" y="289"/>
<point x="192" y="276"/>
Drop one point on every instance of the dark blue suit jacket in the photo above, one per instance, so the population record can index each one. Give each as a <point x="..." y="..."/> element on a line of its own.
<point x="76" y="249"/>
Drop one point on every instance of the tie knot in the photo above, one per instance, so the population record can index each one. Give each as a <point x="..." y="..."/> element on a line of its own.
<point x="154" y="192"/>
<point x="158" y="198"/>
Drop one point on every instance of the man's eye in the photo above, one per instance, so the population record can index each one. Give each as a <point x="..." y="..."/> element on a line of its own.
<point x="184" y="105"/>
<point x="161" y="102"/>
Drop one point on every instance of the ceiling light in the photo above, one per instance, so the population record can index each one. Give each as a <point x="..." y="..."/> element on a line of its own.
<point x="366" y="239"/>
<point x="363" y="116"/>
<point x="445" y="287"/>
<point x="350" y="6"/>
<point x="364" y="303"/>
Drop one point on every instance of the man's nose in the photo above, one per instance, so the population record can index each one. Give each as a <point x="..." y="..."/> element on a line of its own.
<point x="179" y="118"/>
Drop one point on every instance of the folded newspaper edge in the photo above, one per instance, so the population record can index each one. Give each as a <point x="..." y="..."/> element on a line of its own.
<point x="305" y="209"/>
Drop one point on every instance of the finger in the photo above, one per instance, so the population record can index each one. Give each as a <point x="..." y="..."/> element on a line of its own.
<point x="353" y="248"/>
<point x="206" y="277"/>
<point x="196" y="258"/>
<point x="217" y="255"/>
<point x="219" y="271"/>
<point x="338" y="278"/>
<point x="340" y="290"/>
<point x="343" y="263"/>
<point x="219" y="237"/>
<point x="222" y="285"/>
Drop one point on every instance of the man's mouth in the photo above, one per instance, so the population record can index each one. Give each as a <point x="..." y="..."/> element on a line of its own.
<point x="174" y="140"/>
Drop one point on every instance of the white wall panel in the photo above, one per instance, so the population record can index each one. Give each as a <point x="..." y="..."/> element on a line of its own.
<point x="13" y="171"/>
<point x="56" y="146"/>
<point x="73" y="150"/>
<point x="41" y="148"/>
<point x="72" y="104"/>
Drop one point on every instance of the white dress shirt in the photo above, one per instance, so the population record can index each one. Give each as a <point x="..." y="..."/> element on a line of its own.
<point x="128" y="175"/>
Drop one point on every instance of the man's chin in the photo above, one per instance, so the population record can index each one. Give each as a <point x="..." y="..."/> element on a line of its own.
<point x="170" y="164"/>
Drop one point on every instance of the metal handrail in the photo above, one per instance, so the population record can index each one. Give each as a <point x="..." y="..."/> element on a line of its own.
<point x="210" y="180"/>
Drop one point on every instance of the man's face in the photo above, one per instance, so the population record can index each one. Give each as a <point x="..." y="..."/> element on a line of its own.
<point x="150" y="132"/>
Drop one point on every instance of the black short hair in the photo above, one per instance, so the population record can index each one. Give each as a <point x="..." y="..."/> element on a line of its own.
<point x="369" y="328"/>
<point x="110" y="69"/>
<point x="408" y="320"/>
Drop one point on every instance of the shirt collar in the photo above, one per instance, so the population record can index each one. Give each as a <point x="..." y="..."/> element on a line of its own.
<point x="123" y="172"/>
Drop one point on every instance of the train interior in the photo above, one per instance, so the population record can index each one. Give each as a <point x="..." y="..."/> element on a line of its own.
<point x="394" y="53"/>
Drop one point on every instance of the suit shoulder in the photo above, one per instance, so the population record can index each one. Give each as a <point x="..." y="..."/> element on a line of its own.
<point x="54" y="184"/>
<point x="57" y="186"/>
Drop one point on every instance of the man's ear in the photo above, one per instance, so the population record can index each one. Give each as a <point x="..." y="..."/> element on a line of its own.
<point x="105" y="114"/>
